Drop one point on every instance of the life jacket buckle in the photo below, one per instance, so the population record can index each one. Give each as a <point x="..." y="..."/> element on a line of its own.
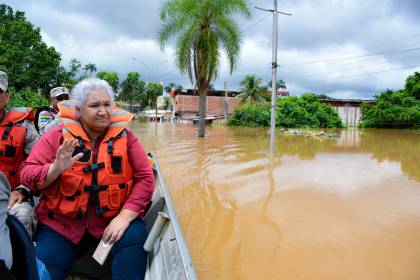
<point x="94" y="167"/>
<point x="101" y="211"/>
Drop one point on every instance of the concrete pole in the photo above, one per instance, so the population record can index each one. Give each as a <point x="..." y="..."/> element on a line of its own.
<point x="226" y="104"/>
<point x="274" y="83"/>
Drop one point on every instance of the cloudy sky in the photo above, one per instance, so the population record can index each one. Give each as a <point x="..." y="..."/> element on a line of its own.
<point x="345" y="49"/>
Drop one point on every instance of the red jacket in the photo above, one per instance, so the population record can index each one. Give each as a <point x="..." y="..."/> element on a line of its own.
<point x="34" y="171"/>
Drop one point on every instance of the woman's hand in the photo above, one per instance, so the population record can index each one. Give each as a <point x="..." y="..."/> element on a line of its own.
<point x="116" y="228"/>
<point x="64" y="158"/>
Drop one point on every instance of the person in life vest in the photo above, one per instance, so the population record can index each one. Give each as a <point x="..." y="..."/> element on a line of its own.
<point x="17" y="137"/>
<point x="46" y="117"/>
<point x="95" y="182"/>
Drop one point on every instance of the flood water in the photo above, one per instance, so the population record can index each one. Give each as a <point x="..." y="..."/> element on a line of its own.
<point x="322" y="208"/>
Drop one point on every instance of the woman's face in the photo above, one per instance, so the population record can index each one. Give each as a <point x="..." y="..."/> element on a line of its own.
<point x="95" y="113"/>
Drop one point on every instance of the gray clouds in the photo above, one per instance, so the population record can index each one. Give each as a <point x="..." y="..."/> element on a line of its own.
<point x="110" y="33"/>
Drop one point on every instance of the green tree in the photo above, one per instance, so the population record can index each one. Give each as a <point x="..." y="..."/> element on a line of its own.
<point x="202" y="28"/>
<point x="172" y="85"/>
<point x="251" y="90"/>
<point x="280" y="84"/>
<point x="153" y="90"/>
<point x="412" y="85"/>
<point x="132" y="88"/>
<point x="90" y="68"/>
<point x="323" y="96"/>
<point x="70" y="77"/>
<point x="395" y="109"/>
<point x="166" y="103"/>
<point x="29" y="62"/>
<point x="111" y="77"/>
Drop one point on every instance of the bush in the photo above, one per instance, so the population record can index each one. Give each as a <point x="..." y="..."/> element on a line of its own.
<point x="292" y="112"/>
<point x="26" y="98"/>
<point x="251" y="115"/>
<point x="399" y="109"/>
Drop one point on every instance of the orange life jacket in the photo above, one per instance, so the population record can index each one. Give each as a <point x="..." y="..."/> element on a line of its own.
<point x="12" y="143"/>
<point x="105" y="179"/>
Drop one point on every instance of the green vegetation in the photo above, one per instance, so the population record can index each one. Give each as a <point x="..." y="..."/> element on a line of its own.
<point x="152" y="91"/>
<point x="112" y="78"/>
<point x="166" y="103"/>
<point x="251" y="90"/>
<point x="23" y="55"/>
<point x="172" y="85"/>
<point x="202" y="28"/>
<point x="34" y="68"/>
<point x="131" y="88"/>
<point x="26" y="98"/>
<point x="292" y="112"/>
<point x="399" y="109"/>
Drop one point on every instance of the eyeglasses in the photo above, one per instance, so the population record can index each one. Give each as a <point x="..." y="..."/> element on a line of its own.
<point x="62" y="97"/>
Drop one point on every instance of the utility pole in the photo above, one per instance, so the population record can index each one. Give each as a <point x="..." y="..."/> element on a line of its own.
<point x="274" y="76"/>
<point x="226" y="103"/>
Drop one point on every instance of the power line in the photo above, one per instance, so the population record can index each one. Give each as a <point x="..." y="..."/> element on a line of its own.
<point x="362" y="74"/>
<point x="393" y="41"/>
<point x="164" y="74"/>
<point x="348" y="57"/>
<point x="255" y="23"/>
<point x="340" y="68"/>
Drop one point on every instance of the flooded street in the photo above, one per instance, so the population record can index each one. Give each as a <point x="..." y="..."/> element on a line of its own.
<point x="322" y="208"/>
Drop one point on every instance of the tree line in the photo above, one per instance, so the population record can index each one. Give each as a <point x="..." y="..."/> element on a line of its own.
<point x="35" y="68"/>
<point x="395" y="109"/>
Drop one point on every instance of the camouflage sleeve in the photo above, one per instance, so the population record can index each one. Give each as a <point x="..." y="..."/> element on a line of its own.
<point x="31" y="136"/>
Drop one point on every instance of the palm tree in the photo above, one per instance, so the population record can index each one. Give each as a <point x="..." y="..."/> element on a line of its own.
<point x="172" y="85"/>
<point x="91" y="67"/>
<point x="251" y="90"/>
<point x="280" y="84"/>
<point x="202" y="28"/>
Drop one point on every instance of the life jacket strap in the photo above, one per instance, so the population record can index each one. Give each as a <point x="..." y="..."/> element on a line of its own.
<point x="110" y="147"/>
<point x="95" y="188"/>
<point x="72" y="197"/>
<point x="111" y="143"/>
<point x="82" y="149"/>
<point x="79" y="214"/>
<point x="7" y="131"/>
<point x="101" y="211"/>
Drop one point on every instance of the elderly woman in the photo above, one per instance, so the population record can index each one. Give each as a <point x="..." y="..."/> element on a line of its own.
<point x="95" y="181"/>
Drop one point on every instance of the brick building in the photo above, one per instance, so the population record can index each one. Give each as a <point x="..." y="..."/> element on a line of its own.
<point x="186" y="102"/>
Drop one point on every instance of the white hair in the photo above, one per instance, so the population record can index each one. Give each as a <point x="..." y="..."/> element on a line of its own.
<point x="81" y="91"/>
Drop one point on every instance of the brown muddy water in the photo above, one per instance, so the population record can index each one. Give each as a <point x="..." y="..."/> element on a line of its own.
<point x="322" y="208"/>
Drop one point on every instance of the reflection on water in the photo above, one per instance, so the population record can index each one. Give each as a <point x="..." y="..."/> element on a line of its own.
<point x="322" y="208"/>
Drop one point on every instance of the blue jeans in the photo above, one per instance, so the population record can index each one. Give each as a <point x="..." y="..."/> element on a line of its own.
<point x="59" y="254"/>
